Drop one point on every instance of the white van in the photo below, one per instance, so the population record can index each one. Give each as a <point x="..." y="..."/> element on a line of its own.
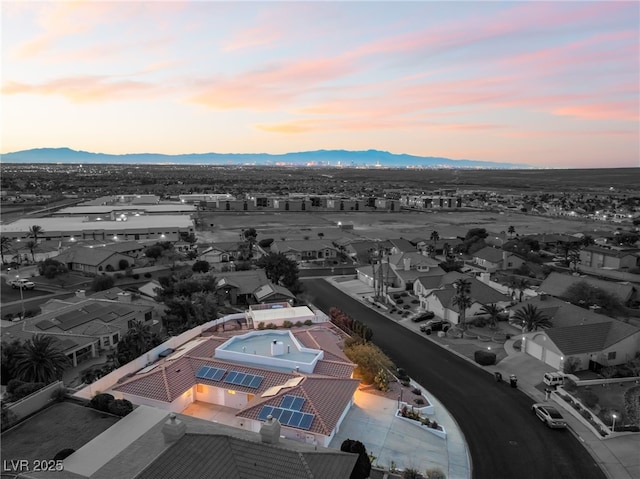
<point x="553" y="379"/>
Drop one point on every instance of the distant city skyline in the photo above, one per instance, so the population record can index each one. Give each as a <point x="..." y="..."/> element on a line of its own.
<point x="548" y="84"/>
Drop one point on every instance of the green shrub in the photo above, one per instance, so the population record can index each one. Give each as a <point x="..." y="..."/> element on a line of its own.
<point x="136" y="276"/>
<point x="261" y="325"/>
<point x="484" y="358"/>
<point x="101" y="402"/>
<point x="632" y="404"/>
<point x="298" y="324"/>
<point x="308" y="322"/>
<point x="271" y="326"/>
<point x="147" y="275"/>
<point x="120" y="407"/>
<point x="25" y="389"/>
<point x="287" y="324"/>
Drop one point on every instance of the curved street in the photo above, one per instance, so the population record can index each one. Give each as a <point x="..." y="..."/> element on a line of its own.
<point x="504" y="439"/>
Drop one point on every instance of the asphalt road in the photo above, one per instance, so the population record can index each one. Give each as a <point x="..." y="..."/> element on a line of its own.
<point x="505" y="439"/>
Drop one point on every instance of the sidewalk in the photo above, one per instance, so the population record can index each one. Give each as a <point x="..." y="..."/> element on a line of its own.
<point x="617" y="455"/>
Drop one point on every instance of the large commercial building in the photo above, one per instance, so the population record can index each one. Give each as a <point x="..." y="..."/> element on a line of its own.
<point x="153" y="227"/>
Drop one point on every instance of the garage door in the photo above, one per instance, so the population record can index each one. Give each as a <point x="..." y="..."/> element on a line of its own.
<point x="552" y="359"/>
<point x="533" y="349"/>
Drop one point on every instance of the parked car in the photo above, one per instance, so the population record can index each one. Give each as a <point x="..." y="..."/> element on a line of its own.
<point x="22" y="284"/>
<point x="435" y="325"/>
<point x="553" y="379"/>
<point x="549" y="415"/>
<point x="423" y="316"/>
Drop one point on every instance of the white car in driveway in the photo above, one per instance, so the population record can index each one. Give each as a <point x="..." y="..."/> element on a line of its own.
<point x="549" y="415"/>
<point x="22" y="284"/>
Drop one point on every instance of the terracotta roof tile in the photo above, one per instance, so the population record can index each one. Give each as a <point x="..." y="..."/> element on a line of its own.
<point x="325" y="397"/>
<point x="337" y="369"/>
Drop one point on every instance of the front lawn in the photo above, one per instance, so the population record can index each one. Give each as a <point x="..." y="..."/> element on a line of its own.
<point x="604" y="401"/>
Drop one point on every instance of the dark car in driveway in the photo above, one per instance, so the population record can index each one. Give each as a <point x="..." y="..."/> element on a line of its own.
<point x="423" y="316"/>
<point x="435" y="325"/>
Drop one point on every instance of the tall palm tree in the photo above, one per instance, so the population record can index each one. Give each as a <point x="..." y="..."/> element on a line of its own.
<point x="32" y="246"/>
<point x="140" y="337"/>
<point x="35" y="231"/>
<point x="511" y="230"/>
<point x="5" y="244"/>
<point x="462" y="300"/>
<point x="435" y="236"/>
<point x="494" y="312"/>
<point x="446" y="250"/>
<point x="40" y="360"/>
<point x="531" y="318"/>
<point x="521" y="284"/>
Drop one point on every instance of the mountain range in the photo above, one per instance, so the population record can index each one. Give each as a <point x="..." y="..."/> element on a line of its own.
<point x="318" y="158"/>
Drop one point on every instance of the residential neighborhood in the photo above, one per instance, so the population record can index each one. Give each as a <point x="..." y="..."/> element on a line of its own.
<point x="211" y="320"/>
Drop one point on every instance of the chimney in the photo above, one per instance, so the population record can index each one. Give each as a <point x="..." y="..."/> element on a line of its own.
<point x="407" y="263"/>
<point x="270" y="431"/>
<point x="173" y="429"/>
<point x="277" y="348"/>
<point x="124" y="297"/>
<point x="80" y="293"/>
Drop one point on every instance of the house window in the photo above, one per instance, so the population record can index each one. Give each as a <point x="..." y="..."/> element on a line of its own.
<point x="106" y="341"/>
<point x="199" y="388"/>
<point x="147" y="316"/>
<point x="611" y="355"/>
<point x="115" y="338"/>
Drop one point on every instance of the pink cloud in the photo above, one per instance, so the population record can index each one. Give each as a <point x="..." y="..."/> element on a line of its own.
<point x="271" y="87"/>
<point x="84" y="89"/>
<point x="617" y="110"/>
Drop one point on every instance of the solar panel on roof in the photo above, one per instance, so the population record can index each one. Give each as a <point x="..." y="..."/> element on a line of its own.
<point x="305" y="422"/>
<point x="286" y="402"/>
<point x="264" y="412"/>
<point x="292" y="402"/>
<point x="285" y="416"/>
<point x="202" y="372"/>
<point x="211" y="373"/>
<point x="295" y="419"/>
<point x="244" y="379"/>
<point x="256" y="381"/>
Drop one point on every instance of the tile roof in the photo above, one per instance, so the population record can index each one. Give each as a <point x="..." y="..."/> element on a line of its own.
<point x="588" y="338"/>
<point x="88" y="256"/>
<point x="321" y="338"/>
<point x="561" y="312"/>
<point x="325" y="397"/>
<point x="336" y="369"/>
<point x="556" y="284"/>
<point x="200" y="456"/>
<point x="494" y="255"/>
<point x="246" y="281"/>
<point x="616" y="253"/>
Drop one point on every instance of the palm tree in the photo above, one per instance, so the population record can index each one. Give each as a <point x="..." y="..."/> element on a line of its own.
<point x="435" y="236"/>
<point x="40" y="360"/>
<point x="446" y="250"/>
<point x="511" y="230"/>
<point x="494" y="312"/>
<point x="32" y="246"/>
<point x="140" y="337"/>
<point x="574" y="259"/>
<point x="35" y="231"/>
<point x="5" y="244"/>
<point x="521" y="284"/>
<point x="462" y="299"/>
<point x="531" y="318"/>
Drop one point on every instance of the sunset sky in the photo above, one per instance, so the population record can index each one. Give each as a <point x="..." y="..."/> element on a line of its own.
<point x="549" y="84"/>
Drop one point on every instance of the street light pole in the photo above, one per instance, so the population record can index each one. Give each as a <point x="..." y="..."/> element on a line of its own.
<point x="613" y="426"/>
